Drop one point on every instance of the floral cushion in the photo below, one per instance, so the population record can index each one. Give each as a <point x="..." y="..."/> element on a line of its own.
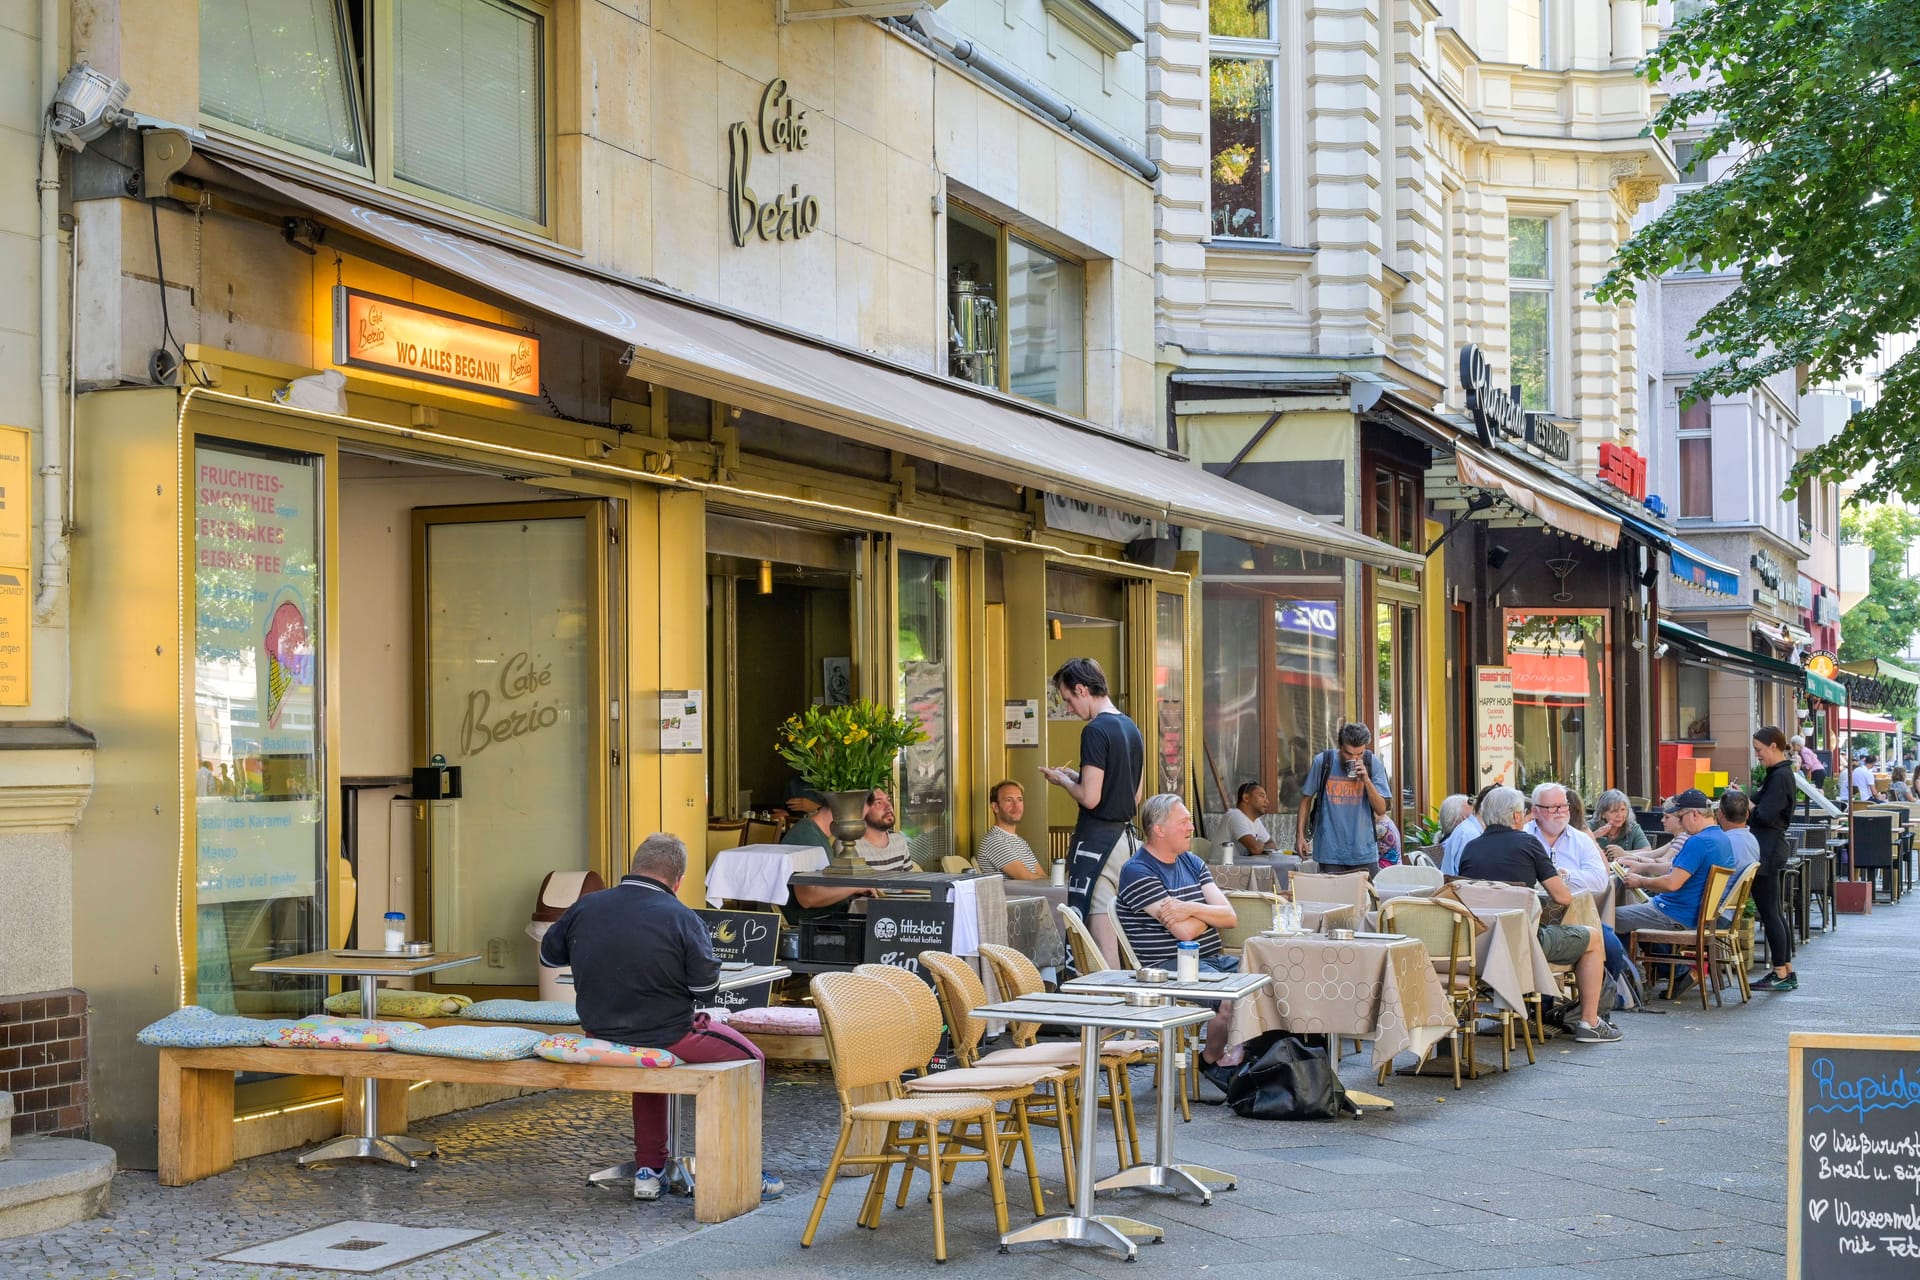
<point x="393" y="1003"/>
<point x="780" y="1020"/>
<point x="588" y="1052"/>
<point x="556" y="1012"/>
<point x="479" y="1044"/>
<point x="322" y="1032"/>
<point x="196" y="1028"/>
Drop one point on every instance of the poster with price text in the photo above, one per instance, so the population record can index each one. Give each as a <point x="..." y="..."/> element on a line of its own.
<point x="1493" y="720"/>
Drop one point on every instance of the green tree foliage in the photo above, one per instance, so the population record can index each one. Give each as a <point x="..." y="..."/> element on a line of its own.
<point x="1882" y="625"/>
<point x="1820" y="100"/>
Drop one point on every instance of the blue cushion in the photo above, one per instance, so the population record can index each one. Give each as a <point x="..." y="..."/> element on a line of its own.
<point x="554" y="1012"/>
<point x="480" y="1044"/>
<point x="196" y="1028"/>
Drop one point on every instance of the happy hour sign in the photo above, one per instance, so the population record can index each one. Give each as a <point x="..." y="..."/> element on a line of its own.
<point x="1854" y="1157"/>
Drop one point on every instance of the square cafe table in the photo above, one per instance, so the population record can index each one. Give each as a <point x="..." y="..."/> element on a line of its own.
<point x="1094" y="1014"/>
<point x="1385" y="991"/>
<point x="369" y="967"/>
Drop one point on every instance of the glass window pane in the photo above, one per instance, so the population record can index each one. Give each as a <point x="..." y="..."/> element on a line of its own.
<point x="1170" y="691"/>
<point x="1692" y="718"/>
<point x="1241" y="96"/>
<point x="1696" y="415"/>
<point x="1241" y="19"/>
<point x="1046" y="318"/>
<point x="1533" y="347"/>
<point x="925" y="803"/>
<point x="259" y="796"/>
<point x="1311" y="701"/>
<point x="1230" y="702"/>
<point x="281" y="68"/>
<point x="1696" y="476"/>
<point x="469" y="102"/>
<point x="1527" y="249"/>
<point x="1559" y="663"/>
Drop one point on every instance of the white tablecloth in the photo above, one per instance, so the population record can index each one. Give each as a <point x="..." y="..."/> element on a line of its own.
<point x="759" y="872"/>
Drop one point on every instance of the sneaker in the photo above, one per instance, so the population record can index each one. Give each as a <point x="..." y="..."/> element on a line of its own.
<point x="1679" y="984"/>
<point x="1218" y="1076"/>
<point x="1587" y="1033"/>
<point x="1773" y="982"/>
<point x="771" y="1188"/>
<point x="646" y="1184"/>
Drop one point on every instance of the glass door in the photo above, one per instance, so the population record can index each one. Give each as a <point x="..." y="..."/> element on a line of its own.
<point x="512" y="645"/>
<point x="926" y="674"/>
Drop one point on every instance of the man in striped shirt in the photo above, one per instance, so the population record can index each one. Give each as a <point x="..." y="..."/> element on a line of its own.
<point x="1166" y="897"/>
<point x="1002" y="849"/>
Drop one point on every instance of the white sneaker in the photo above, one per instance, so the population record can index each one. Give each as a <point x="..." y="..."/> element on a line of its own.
<point x="646" y="1184"/>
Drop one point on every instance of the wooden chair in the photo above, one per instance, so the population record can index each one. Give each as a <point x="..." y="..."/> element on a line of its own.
<point x="1725" y="938"/>
<point x="1687" y="949"/>
<point x="861" y="1018"/>
<point x="1445" y="929"/>
<point x="1013" y="1086"/>
<point x="760" y="831"/>
<point x="718" y="829"/>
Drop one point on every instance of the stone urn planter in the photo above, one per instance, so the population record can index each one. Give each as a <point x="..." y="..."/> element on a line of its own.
<point x="849" y="809"/>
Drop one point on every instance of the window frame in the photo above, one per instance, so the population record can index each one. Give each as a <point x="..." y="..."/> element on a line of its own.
<point x="1003" y="335"/>
<point x="1547" y="285"/>
<point x="369" y="53"/>
<point x="1272" y="52"/>
<point x="1684" y="434"/>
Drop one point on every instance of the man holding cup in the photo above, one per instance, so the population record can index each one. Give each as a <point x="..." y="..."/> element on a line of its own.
<point x="1345" y="791"/>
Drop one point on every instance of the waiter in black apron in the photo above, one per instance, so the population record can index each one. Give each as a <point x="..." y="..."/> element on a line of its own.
<point x="1107" y="788"/>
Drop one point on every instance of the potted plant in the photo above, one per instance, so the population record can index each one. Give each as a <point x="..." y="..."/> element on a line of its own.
<point x="844" y="752"/>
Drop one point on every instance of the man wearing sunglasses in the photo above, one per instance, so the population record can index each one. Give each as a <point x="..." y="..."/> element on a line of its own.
<point x="1573" y="851"/>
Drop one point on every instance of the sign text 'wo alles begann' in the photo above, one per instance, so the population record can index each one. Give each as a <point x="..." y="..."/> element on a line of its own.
<point x="781" y="126"/>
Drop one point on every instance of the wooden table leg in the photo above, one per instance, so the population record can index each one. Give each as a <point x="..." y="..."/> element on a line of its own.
<point x="196" y="1122"/>
<point x="726" y="1144"/>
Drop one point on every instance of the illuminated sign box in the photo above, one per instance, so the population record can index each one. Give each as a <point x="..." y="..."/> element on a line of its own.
<point x="391" y="336"/>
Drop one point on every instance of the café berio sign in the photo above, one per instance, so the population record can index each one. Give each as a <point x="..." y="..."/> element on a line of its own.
<point x="1497" y="414"/>
<point x="392" y="336"/>
<point x="779" y="127"/>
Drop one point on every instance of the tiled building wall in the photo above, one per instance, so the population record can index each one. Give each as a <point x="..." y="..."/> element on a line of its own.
<point x="43" y="1062"/>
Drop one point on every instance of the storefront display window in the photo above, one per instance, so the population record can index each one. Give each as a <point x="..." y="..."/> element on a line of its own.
<point x="1692" y="718"/>
<point x="1016" y="313"/>
<point x="1560" y="672"/>
<point x="925" y="802"/>
<point x="1169" y="691"/>
<point x="259" y="744"/>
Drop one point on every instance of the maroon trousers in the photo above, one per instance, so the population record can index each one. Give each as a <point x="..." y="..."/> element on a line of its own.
<point x="707" y="1042"/>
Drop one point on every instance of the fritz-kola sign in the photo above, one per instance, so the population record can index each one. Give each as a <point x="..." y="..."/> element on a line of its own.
<point x="779" y="126"/>
<point x="1497" y="414"/>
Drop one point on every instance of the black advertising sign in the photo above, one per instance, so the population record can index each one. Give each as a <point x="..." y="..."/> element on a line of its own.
<point x="752" y="936"/>
<point x="898" y="930"/>
<point x="1853" y="1157"/>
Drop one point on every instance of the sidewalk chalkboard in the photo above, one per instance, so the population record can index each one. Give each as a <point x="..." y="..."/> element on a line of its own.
<point x="898" y="930"/>
<point x="752" y="936"/>
<point x="1853" y="1146"/>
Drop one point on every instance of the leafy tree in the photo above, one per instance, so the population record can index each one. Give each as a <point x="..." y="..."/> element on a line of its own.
<point x="1882" y="625"/>
<point x="1819" y="215"/>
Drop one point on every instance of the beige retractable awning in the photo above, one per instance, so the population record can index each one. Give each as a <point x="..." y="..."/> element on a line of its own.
<point x="739" y="362"/>
<point x="1556" y="506"/>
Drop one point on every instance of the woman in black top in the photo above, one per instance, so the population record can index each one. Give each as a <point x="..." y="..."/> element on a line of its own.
<point x="1772" y="810"/>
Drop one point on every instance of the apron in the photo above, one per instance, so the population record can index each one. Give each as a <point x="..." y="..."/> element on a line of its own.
<point x="1095" y="840"/>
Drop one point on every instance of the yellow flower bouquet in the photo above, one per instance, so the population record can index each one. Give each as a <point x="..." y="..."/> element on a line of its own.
<point x="846" y="748"/>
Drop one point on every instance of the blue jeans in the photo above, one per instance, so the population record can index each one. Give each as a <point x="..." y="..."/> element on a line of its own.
<point x="1221" y="963"/>
<point x="1616" y="951"/>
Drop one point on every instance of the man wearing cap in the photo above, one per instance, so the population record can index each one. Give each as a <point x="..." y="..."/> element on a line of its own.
<point x="1676" y="901"/>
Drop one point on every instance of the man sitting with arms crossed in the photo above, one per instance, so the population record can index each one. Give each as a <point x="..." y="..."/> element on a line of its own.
<point x="1512" y="856"/>
<point x="641" y="961"/>
<point x="1002" y="849"/>
<point x="1166" y="897"/>
<point x="1676" y="904"/>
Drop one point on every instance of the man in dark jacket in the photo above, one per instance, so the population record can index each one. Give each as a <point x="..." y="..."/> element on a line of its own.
<point x="641" y="961"/>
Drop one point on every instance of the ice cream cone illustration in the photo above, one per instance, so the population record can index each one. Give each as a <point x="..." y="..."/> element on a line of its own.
<point x="289" y="657"/>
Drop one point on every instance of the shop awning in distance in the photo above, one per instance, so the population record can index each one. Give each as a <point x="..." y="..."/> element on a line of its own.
<point x="1865" y="722"/>
<point x="738" y="361"/>
<point x="1698" y="569"/>
<point x="1554" y="505"/>
<point x="1731" y="657"/>
<point x="1881" y="669"/>
<point x="1826" y="690"/>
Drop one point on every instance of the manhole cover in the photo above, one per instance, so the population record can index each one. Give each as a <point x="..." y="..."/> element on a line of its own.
<point x="361" y="1248"/>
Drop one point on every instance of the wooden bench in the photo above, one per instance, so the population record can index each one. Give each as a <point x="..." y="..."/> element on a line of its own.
<point x="777" y="1047"/>
<point x="196" y="1106"/>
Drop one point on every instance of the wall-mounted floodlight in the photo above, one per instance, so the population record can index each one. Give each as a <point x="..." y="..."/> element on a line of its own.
<point x="87" y="104"/>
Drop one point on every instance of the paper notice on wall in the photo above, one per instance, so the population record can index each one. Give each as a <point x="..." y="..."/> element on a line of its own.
<point x="1023" y="722"/>
<point x="682" y="721"/>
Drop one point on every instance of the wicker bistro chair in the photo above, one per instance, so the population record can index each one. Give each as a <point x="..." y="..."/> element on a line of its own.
<point x="1087" y="959"/>
<point x="961" y="991"/>
<point x="860" y="1018"/>
<point x="1445" y="929"/>
<point x="1725" y="937"/>
<point x="1409" y="873"/>
<point x="1682" y="950"/>
<point x="1013" y="1085"/>
<point x="1016" y="976"/>
<point x="1253" y="913"/>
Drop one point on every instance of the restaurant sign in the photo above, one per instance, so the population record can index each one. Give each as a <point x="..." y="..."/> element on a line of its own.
<point x="1824" y="663"/>
<point x="1493" y="723"/>
<point x="779" y="127"/>
<point x="1497" y="414"/>
<point x="392" y="336"/>
<point x="1625" y="469"/>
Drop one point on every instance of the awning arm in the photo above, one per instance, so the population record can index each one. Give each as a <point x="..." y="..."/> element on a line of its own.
<point x="1478" y="501"/>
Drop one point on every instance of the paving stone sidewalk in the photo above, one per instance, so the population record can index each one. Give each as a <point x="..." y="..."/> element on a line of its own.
<point x="1661" y="1156"/>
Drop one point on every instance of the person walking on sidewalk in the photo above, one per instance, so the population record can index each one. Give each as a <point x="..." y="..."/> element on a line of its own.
<point x="1107" y="787"/>
<point x="641" y="960"/>
<point x="1771" y="812"/>
<point x="1345" y="791"/>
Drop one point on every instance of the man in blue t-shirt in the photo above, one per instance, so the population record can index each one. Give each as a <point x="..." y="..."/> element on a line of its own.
<point x="1345" y="791"/>
<point x="1167" y="896"/>
<point x="1677" y="894"/>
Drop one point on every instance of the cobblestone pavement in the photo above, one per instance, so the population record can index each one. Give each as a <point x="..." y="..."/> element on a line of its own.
<point x="1662" y="1156"/>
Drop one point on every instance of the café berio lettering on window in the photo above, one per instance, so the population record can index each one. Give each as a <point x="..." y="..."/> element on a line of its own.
<point x="779" y="127"/>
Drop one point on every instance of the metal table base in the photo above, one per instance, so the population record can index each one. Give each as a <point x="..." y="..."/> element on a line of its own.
<point x="675" y="1179"/>
<point x="1177" y="1177"/>
<point x="370" y="1143"/>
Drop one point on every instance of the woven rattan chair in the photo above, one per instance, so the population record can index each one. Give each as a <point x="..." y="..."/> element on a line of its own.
<point x="1445" y="929"/>
<point x="961" y="991"/>
<point x="1725" y="938"/>
<point x="1684" y="950"/>
<point x="1011" y="1085"/>
<point x="1017" y="976"/>
<point x="1353" y="887"/>
<point x="1086" y="952"/>
<point x="861" y="1019"/>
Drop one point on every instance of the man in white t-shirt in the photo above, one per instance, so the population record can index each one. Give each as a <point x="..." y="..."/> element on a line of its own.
<point x="1243" y="820"/>
<point x="1002" y="849"/>
<point x="1862" y="780"/>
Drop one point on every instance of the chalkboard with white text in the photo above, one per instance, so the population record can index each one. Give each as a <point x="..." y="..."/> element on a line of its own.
<point x="751" y="936"/>
<point x="1853" y="1150"/>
